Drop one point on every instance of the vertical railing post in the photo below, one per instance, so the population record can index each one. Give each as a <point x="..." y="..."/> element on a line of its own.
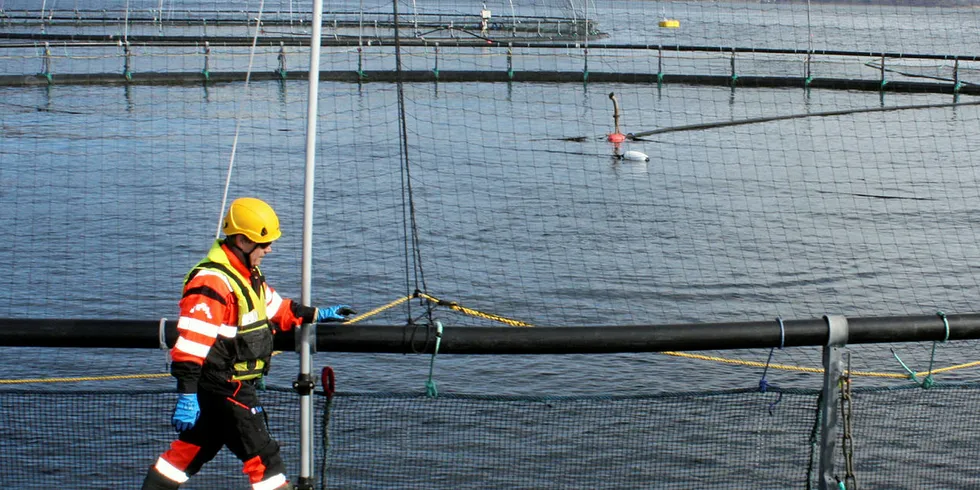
<point x="282" y="61"/>
<point x="883" y="81"/>
<point x="956" y="77"/>
<point x="829" y="414"/>
<point x="360" y="64"/>
<point x="807" y="71"/>
<point x="660" y="65"/>
<point x="585" y="52"/>
<point x="734" y="75"/>
<point x="585" y="67"/>
<point x="435" y="68"/>
<point x="128" y="63"/>
<point x="510" y="61"/>
<point x="46" y="63"/>
<point x="207" y="61"/>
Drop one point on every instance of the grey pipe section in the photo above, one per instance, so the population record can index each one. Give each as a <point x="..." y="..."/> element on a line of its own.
<point x="829" y="415"/>
<point x="333" y="337"/>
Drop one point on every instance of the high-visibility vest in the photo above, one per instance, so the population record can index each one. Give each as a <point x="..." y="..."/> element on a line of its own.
<point x="252" y="344"/>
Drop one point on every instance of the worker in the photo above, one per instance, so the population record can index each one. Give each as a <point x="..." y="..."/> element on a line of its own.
<point x="228" y="315"/>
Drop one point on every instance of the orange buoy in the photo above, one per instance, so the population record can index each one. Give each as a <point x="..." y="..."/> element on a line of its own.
<point x="617" y="137"/>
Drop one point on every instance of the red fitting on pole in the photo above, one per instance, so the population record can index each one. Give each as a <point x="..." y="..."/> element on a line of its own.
<point x="328" y="381"/>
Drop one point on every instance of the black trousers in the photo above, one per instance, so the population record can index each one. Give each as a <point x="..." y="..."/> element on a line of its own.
<point x="238" y="422"/>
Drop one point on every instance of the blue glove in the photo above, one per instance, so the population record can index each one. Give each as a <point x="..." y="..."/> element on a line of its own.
<point x="334" y="313"/>
<point x="186" y="412"/>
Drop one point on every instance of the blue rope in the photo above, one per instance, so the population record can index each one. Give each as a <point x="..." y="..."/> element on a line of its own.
<point x="928" y="381"/>
<point x="932" y="357"/>
<point x="763" y="383"/>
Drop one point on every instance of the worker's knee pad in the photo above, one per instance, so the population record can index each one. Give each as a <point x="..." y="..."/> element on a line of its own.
<point x="265" y="464"/>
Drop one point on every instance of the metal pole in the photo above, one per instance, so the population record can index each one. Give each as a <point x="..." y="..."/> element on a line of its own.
<point x="304" y="383"/>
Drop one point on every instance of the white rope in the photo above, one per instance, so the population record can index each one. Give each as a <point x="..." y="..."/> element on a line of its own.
<point x="238" y="119"/>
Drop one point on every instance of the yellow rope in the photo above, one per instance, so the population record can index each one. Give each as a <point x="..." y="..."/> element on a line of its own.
<point x="82" y="378"/>
<point x="782" y="366"/>
<point x="469" y="311"/>
<point x="450" y="304"/>
<point x="949" y="368"/>
<point x="378" y="310"/>
<point x="686" y="355"/>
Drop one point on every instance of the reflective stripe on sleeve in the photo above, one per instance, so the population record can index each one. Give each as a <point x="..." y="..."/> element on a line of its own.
<point x="273" y="305"/>
<point x="170" y="471"/>
<point x="270" y="483"/>
<point x="197" y="326"/>
<point x="191" y="347"/>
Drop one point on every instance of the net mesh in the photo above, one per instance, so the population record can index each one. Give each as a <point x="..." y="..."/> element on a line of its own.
<point x="803" y="160"/>
<point x="506" y="197"/>
<point x="726" y="439"/>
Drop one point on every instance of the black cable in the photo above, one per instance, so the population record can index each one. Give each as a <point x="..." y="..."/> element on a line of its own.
<point x="405" y="174"/>
<point x="756" y="120"/>
<point x="408" y="197"/>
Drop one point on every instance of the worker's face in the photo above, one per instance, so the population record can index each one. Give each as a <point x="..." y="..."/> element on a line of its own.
<point x="259" y="251"/>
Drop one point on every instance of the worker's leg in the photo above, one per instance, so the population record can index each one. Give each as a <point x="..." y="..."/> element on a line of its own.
<point x="253" y="445"/>
<point x="188" y="453"/>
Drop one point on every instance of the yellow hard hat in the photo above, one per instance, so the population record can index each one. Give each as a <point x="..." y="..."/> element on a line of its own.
<point x="253" y="218"/>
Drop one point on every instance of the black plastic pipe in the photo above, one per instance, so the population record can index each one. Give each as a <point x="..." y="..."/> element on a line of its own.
<point x="354" y="41"/>
<point x="332" y="337"/>
<point x="426" y="76"/>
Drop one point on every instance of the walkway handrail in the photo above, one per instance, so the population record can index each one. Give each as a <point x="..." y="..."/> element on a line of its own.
<point x="333" y="337"/>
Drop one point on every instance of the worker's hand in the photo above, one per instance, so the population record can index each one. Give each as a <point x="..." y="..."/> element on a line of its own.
<point x="334" y="313"/>
<point x="186" y="412"/>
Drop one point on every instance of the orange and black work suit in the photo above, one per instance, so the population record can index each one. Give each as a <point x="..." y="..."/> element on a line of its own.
<point x="228" y="315"/>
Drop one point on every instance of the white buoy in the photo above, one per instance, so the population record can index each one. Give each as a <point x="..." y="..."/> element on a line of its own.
<point x="635" y="155"/>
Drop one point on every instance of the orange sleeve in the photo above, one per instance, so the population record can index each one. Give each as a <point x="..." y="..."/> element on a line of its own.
<point x="282" y="311"/>
<point x="207" y="311"/>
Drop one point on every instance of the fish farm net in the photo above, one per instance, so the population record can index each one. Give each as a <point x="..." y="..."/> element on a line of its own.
<point x="723" y="439"/>
<point x="520" y="164"/>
